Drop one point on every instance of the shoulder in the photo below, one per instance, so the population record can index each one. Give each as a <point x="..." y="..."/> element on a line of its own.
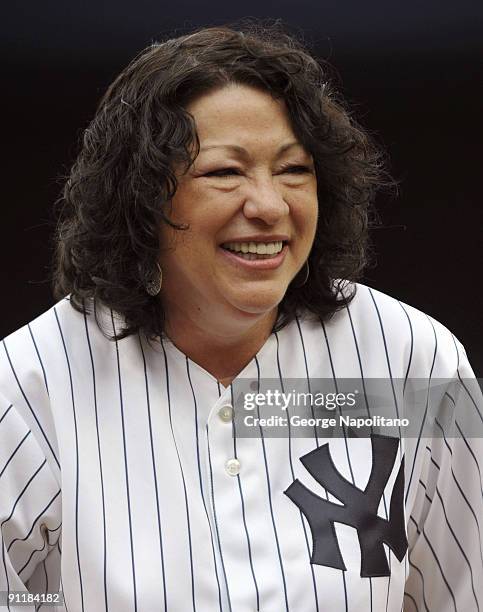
<point x="37" y="362"/>
<point x="434" y="350"/>
<point x="385" y="331"/>
<point x="24" y="374"/>
<point x="22" y="348"/>
<point x="42" y="355"/>
<point x="53" y="332"/>
<point x="22" y="352"/>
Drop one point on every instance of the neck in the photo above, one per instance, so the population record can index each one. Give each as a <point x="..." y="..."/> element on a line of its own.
<point x="220" y="347"/>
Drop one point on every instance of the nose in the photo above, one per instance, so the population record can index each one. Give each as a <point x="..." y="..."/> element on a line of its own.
<point x="264" y="201"/>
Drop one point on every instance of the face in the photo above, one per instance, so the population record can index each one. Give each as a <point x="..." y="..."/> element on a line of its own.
<point x="251" y="188"/>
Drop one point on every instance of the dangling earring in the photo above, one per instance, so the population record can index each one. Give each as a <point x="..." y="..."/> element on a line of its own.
<point x="153" y="281"/>
<point x="307" y="272"/>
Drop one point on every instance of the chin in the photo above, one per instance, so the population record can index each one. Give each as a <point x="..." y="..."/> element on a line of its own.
<point x="259" y="305"/>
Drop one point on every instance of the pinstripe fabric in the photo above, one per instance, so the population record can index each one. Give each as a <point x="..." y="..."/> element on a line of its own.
<point x="113" y="481"/>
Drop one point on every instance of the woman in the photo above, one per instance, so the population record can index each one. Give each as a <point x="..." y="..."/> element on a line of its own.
<point x="220" y="192"/>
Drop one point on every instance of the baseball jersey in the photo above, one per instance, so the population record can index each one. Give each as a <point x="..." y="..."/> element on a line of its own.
<point x="126" y="485"/>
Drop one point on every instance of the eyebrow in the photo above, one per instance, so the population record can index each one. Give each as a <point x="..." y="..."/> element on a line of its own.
<point x="242" y="151"/>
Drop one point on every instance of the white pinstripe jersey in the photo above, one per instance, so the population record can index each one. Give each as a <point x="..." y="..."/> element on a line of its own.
<point x="113" y="475"/>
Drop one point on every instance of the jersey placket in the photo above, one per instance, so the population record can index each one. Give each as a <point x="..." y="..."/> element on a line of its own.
<point x="226" y="470"/>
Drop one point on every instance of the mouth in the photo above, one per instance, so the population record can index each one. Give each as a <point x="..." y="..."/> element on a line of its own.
<point x="255" y="256"/>
<point x="254" y="251"/>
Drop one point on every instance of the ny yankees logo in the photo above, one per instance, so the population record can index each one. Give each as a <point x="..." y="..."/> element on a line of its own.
<point x="359" y="509"/>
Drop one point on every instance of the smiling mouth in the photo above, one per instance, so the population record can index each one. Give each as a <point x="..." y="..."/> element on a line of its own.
<point x="251" y="251"/>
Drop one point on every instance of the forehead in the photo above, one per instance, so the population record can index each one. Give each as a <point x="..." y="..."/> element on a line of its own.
<point x="240" y="114"/>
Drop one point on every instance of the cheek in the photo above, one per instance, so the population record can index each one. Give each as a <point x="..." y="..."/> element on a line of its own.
<point x="203" y="209"/>
<point x="304" y="214"/>
<point x="190" y="249"/>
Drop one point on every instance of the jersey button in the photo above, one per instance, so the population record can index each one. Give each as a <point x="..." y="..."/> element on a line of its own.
<point x="226" y="414"/>
<point x="232" y="467"/>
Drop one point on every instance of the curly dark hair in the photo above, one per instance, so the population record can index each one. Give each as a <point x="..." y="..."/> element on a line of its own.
<point x="120" y="185"/>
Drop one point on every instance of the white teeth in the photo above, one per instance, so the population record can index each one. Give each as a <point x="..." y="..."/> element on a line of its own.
<point x="253" y="256"/>
<point x="259" y="248"/>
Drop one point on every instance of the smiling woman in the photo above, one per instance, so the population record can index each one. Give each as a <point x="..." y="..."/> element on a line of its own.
<point x="147" y="135"/>
<point x="211" y="233"/>
<point x="251" y="208"/>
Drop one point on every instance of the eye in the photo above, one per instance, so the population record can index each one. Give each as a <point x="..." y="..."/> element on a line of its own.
<point x="300" y="169"/>
<point x="224" y="172"/>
